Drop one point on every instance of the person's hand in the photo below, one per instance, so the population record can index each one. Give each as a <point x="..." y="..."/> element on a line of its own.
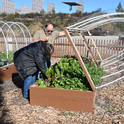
<point x="62" y="33"/>
<point x="47" y="38"/>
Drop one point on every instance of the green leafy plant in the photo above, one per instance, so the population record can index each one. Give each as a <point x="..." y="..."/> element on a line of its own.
<point x="68" y="74"/>
<point x="114" y="109"/>
<point x="4" y="59"/>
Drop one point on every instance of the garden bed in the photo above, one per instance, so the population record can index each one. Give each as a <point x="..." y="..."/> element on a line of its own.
<point x="73" y="100"/>
<point x="7" y="71"/>
<point x="66" y="86"/>
<point x="7" y="67"/>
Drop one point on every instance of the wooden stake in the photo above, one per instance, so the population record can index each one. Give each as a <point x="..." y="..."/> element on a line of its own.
<point x="87" y="48"/>
<point x="83" y="37"/>
<point x="80" y="60"/>
<point x="95" y="46"/>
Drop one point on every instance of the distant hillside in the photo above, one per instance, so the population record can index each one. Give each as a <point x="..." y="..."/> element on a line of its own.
<point x="35" y="21"/>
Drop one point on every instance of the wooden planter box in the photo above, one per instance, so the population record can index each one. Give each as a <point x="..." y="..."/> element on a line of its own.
<point x="72" y="100"/>
<point x="7" y="71"/>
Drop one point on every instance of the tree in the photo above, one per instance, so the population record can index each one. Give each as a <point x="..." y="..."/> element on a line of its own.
<point x="119" y="8"/>
<point x="53" y="11"/>
<point x="3" y="14"/>
<point x="10" y="17"/>
<point x="42" y="12"/>
<point x="120" y="24"/>
<point x="57" y="21"/>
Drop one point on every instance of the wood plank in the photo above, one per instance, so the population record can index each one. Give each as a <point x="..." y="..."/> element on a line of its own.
<point x="80" y="60"/>
<point x="6" y="72"/>
<point x="72" y="100"/>
<point x="83" y="37"/>
<point x="65" y="103"/>
<point x="62" y="92"/>
<point x="95" y="46"/>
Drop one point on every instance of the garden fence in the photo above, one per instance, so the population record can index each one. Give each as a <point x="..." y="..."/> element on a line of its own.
<point x="106" y="47"/>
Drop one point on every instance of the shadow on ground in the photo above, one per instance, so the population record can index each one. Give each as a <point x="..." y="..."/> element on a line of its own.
<point x="6" y="86"/>
<point x="17" y="80"/>
<point x="2" y="115"/>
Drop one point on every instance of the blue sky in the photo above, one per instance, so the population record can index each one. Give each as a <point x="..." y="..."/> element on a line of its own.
<point x="89" y="5"/>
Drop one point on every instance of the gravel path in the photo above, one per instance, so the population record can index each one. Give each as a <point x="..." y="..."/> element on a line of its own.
<point x="14" y="109"/>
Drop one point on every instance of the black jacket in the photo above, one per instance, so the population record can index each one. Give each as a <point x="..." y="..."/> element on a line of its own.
<point x="28" y="60"/>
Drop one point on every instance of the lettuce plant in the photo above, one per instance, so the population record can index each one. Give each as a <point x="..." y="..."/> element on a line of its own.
<point x="68" y="74"/>
<point x="3" y="58"/>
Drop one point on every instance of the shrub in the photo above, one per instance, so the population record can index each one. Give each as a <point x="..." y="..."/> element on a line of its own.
<point x="10" y="17"/>
<point x="68" y="74"/>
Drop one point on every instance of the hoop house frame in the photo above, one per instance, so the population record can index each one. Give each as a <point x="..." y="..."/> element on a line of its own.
<point x="6" y="71"/>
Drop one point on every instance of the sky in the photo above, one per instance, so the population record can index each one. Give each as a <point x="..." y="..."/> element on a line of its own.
<point x="109" y="6"/>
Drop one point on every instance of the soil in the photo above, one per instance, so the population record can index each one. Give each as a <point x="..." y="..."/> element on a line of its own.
<point x="14" y="109"/>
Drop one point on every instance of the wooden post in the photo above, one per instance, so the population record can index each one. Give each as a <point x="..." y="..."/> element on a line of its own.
<point x="82" y="35"/>
<point x="80" y="60"/>
<point x="95" y="46"/>
<point x="87" y="48"/>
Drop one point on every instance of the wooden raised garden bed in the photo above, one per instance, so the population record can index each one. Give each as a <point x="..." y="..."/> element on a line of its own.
<point x="7" y="71"/>
<point x="73" y="100"/>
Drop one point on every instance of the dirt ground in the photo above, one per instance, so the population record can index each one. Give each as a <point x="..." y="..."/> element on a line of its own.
<point x="14" y="109"/>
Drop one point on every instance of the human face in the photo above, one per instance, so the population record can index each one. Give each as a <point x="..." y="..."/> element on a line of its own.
<point x="49" y="29"/>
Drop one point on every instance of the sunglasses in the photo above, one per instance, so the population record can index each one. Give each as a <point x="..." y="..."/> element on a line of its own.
<point x="49" y="31"/>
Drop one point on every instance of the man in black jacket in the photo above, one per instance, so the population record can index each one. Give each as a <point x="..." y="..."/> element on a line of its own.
<point x="29" y="60"/>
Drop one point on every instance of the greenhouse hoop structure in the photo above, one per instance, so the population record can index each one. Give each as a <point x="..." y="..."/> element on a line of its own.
<point x="13" y="36"/>
<point x="118" y="58"/>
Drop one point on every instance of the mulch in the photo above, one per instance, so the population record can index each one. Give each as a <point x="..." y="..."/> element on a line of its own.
<point x="14" y="109"/>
